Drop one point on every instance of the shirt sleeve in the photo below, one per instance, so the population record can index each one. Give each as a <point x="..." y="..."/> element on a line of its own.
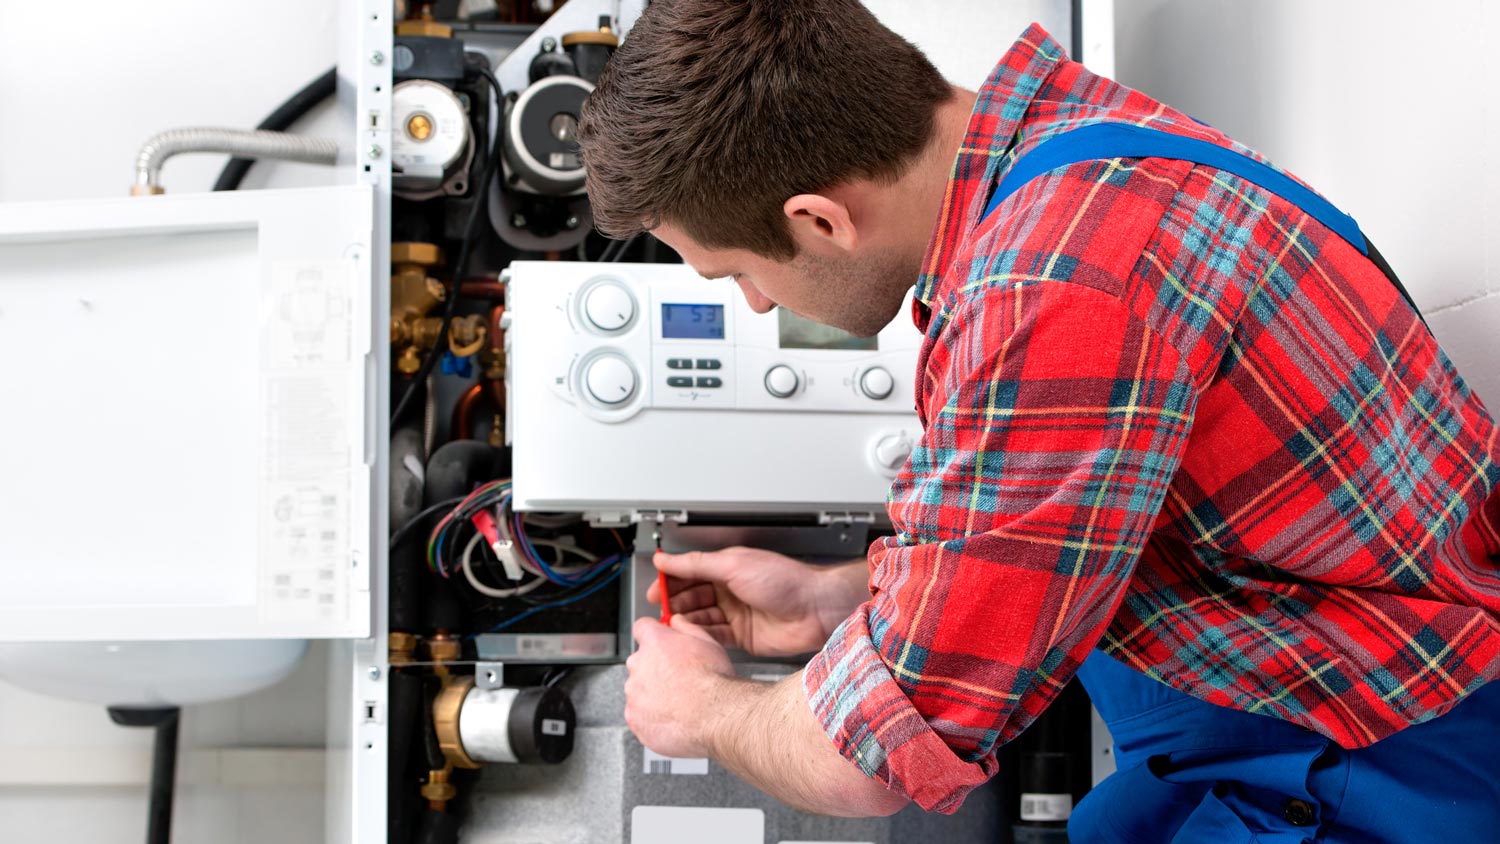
<point x="1055" y="421"/>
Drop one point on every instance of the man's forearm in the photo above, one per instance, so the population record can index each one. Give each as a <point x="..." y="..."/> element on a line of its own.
<point x="768" y="735"/>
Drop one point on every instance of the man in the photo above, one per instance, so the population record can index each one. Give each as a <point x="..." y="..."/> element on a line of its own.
<point x="1170" y="419"/>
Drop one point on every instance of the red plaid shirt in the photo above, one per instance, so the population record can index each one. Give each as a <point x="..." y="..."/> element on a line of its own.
<point x="1167" y="415"/>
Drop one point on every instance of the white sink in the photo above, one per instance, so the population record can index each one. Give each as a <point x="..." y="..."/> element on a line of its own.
<point x="147" y="674"/>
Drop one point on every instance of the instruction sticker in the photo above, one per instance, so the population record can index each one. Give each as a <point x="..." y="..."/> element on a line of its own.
<point x="308" y="391"/>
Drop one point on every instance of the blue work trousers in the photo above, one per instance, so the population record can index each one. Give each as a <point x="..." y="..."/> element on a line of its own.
<point x="1190" y="772"/>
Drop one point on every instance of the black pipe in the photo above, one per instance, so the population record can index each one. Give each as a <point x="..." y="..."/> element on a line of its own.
<point x="163" y="764"/>
<point x="407" y="722"/>
<point x="439" y="828"/>
<point x="407" y="569"/>
<point x="280" y="120"/>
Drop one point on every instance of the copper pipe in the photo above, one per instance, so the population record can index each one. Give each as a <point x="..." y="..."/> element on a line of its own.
<point x="463" y="412"/>
<point x="497" y="395"/>
<point x="482" y="289"/>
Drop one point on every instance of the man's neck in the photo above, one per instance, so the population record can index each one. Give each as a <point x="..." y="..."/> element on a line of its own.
<point x="925" y="183"/>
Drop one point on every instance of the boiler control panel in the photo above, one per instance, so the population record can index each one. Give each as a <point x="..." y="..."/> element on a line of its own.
<point x="645" y="385"/>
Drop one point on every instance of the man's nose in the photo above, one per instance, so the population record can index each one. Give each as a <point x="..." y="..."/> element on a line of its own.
<point x="757" y="301"/>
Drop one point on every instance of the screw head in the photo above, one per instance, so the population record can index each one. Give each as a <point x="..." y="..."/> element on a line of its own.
<point x="377" y="58"/>
<point x="374" y="151"/>
<point x="518" y="221"/>
<point x="374" y="672"/>
<point x="549" y="44"/>
<point x="572" y="221"/>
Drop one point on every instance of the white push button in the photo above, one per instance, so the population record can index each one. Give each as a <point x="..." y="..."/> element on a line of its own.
<point x="876" y="383"/>
<point x="609" y="379"/>
<point x="609" y="307"/>
<point x="781" y="381"/>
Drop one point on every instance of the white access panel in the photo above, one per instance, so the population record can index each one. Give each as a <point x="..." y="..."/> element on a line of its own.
<point x="186" y="449"/>
<point x="637" y="387"/>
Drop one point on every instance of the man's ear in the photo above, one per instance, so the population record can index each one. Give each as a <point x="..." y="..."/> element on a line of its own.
<point x="820" y="224"/>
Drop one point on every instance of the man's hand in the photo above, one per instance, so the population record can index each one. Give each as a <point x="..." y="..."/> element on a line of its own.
<point x="676" y="674"/>
<point x="763" y="602"/>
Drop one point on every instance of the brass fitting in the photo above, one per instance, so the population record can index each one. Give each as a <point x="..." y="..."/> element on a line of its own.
<point x="446" y="709"/>
<point x="493" y="362"/>
<point x="424" y="27"/>
<point x="400" y="647"/>
<point x="437" y="791"/>
<point x="147" y="190"/>
<point x="468" y="335"/>
<point x="497" y="432"/>
<point x="444" y="648"/>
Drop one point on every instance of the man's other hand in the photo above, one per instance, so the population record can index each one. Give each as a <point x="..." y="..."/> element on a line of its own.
<point x="677" y="674"/>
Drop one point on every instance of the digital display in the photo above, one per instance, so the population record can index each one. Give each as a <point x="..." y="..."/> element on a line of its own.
<point x="692" y="322"/>
<point x="801" y="333"/>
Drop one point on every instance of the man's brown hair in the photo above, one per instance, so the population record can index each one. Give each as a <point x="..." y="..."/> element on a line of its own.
<point x="713" y="113"/>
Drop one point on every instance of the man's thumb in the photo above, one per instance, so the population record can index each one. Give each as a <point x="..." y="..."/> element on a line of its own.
<point x="682" y="625"/>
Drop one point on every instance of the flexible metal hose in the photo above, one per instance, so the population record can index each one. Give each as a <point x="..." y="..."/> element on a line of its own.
<point x="237" y="142"/>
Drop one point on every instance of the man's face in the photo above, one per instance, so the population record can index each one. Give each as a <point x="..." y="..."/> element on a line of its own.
<point x="859" y="294"/>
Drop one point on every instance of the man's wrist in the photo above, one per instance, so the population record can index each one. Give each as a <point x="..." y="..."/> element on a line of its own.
<point x="840" y="589"/>
<point x="727" y="703"/>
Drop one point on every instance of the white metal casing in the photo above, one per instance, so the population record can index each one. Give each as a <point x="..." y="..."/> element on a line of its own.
<point x="191" y="458"/>
<point x="734" y="447"/>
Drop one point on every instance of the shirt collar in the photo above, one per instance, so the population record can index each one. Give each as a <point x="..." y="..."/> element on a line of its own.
<point x="991" y="135"/>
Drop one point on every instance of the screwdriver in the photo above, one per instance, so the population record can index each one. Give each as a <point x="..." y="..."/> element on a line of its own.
<point x="661" y="586"/>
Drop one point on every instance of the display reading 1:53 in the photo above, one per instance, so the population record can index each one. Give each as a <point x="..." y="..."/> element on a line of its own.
<point x="692" y="321"/>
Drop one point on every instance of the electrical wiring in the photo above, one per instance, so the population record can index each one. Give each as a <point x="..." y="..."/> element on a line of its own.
<point x="411" y="524"/>
<point x="505" y="532"/>
<point x="467" y="566"/>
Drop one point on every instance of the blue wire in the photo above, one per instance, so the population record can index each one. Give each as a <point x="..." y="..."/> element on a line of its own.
<point x="565" y="601"/>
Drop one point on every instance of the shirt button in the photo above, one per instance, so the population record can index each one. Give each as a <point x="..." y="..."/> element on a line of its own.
<point x="1299" y="813"/>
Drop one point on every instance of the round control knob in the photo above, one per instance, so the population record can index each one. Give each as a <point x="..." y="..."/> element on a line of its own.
<point x="609" y="307"/>
<point x="609" y="379"/>
<point x="891" y="451"/>
<point x="876" y="383"/>
<point x="781" y="381"/>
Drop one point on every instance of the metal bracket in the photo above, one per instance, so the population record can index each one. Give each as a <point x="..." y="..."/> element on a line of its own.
<point x="625" y="518"/>
<point x="489" y="675"/>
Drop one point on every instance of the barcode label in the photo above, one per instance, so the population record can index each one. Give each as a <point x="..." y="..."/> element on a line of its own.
<point x="1046" y="807"/>
<point x="659" y="764"/>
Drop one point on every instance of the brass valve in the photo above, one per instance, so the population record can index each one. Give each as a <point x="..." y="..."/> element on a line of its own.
<point x="414" y="296"/>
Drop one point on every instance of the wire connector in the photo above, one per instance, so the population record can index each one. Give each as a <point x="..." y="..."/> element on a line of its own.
<point x="505" y="550"/>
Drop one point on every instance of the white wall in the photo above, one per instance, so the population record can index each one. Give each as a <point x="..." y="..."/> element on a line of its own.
<point x="968" y="37"/>
<point x="1388" y="107"/>
<point x="82" y="84"/>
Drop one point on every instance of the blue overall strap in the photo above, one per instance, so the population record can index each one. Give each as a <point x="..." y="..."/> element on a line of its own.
<point x="1103" y="141"/>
